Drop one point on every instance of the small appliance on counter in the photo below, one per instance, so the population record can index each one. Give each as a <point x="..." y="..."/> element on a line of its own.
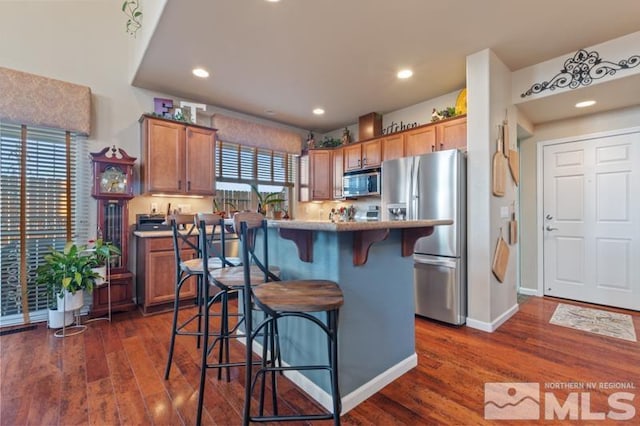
<point x="372" y="213"/>
<point x="151" y="222"/>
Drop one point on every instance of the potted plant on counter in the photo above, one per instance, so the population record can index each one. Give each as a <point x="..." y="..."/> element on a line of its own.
<point x="66" y="275"/>
<point x="272" y="199"/>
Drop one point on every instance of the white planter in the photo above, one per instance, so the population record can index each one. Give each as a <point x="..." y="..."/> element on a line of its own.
<point x="102" y="270"/>
<point x="70" y="302"/>
<point x="56" y="318"/>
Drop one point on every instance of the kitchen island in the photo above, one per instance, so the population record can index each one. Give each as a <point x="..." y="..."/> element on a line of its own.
<point x="371" y="261"/>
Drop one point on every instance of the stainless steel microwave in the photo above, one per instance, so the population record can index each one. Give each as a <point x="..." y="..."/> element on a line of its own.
<point x="361" y="183"/>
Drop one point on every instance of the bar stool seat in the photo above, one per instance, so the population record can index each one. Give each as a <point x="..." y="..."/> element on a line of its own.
<point x="234" y="276"/>
<point x="194" y="266"/>
<point x="300" y="295"/>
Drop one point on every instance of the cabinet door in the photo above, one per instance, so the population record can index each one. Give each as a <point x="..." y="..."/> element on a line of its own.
<point x="371" y="153"/>
<point x="165" y="157"/>
<point x="420" y="141"/>
<point x="320" y="162"/>
<point x="338" y="171"/>
<point x="393" y="147"/>
<point x="452" y="134"/>
<point x="303" y="179"/>
<point x="199" y="161"/>
<point x="352" y="157"/>
<point x="161" y="278"/>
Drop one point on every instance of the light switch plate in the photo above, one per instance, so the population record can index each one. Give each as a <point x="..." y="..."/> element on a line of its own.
<point x="504" y="212"/>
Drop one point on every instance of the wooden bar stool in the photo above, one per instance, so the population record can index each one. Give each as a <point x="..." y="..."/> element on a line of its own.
<point x="187" y="239"/>
<point x="223" y="282"/>
<point x="281" y="299"/>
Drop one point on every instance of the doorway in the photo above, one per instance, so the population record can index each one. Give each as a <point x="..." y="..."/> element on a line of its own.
<point x="590" y="224"/>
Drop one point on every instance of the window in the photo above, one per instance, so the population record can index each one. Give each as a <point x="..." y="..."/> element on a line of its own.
<point x="239" y="166"/>
<point x="41" y="165"/>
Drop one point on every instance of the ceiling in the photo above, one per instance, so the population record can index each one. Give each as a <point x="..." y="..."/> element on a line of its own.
<point x="281" y="60"/>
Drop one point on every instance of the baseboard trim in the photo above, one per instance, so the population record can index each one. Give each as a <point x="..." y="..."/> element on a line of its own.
<point x="355" y="397"/>
<point x="490" y="327"/>
<point x="529" y="291"/>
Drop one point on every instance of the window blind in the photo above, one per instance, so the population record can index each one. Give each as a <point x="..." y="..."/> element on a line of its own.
<point x="245" y="164"/>
<point x="45" y="212"/>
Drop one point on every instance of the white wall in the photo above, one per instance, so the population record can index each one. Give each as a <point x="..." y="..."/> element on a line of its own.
<point x="611" y="120"/>
<point x="489" y="103"/>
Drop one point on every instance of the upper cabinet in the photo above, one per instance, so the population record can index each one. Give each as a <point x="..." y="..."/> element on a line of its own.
<point x="177" y="158"/>
<point x="362" y="155"/>
<point x="338" y="171"/>
<point x="393" y="146"/>
<point x="420" y="141"/>
<point x="320" y="174"/>
<point x="452" y="134"/>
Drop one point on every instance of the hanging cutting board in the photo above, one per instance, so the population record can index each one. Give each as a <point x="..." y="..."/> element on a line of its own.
<point x="512" y="155"/>
<point x="498" y="168"/>
<point x="513" y="229"/>
<point x="500" y="258"/>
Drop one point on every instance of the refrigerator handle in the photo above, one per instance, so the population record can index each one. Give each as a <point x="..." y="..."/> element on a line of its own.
<point x="415" y="189"/>
<point x="430" y="260"/>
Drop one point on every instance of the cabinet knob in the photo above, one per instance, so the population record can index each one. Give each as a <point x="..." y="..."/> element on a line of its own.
<point x="433" y="148"/>
<point x="441" y="146"/>
<point x="188" y="185"/>
<point x="364" y="161"/>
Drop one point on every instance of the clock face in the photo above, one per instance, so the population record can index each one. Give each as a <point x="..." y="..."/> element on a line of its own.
<point x="113" y="180"/>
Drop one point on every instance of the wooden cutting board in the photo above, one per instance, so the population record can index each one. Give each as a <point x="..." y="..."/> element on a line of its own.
<point x="513" y="229"/>
<point x="514" y="165"/>
<point x="499" y="167"/>
<point x="500" y="259"/>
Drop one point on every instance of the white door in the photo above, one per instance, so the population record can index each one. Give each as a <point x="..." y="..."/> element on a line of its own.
<point x="591" y="224"/>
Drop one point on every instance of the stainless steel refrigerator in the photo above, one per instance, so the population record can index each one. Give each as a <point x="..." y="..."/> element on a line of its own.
<point x="433" y="186"/>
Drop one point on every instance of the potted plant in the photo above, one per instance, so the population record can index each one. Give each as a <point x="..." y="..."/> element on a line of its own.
<point x="66" y="275"/>
<point x="103" y="252"/>
<point x="273" y="199"/>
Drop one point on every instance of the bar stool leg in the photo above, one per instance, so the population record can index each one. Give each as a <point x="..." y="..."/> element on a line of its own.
<point x="332" y="323"/>
<point x="174" y="327"/>
<point x="205" y="352"/>
<point x="248" y="325"/>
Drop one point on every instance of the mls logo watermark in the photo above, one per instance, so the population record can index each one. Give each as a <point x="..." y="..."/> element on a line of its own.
<point x="523" y="401"/>
<point x="512" y="401"/>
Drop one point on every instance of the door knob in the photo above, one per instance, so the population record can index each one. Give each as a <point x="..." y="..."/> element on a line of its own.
<point x="548" y="228"/>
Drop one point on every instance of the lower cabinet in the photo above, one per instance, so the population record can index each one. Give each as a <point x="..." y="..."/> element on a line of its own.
<point x="119" y="290"/>
<point x="156" y="278"/>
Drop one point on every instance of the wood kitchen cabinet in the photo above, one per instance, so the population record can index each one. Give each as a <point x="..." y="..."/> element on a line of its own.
<point x="393" y="146"/>
<point x="363" y="155"/>
<point x="420" y="141"/>
<point x="452" y="134"/>
<point x="321" y="174"/>
<point x="177" y="158"/>
<point x="338" y="171"/>
<point x="156" y="277"/>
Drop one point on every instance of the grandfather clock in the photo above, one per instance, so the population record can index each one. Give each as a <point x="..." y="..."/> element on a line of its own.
<point x="112" y="171"/>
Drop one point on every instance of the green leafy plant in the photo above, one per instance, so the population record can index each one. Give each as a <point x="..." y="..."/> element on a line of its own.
<point x="131" y="8"/>
<point x="68" y="270"/>
<point x="273" y="199"/>
<point x="104" y="251"/>
<point x="328" y="142"/>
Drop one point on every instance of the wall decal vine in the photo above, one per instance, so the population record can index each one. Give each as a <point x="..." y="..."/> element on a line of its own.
<point x="581" y="70"/>
<point x="131" y="8"/>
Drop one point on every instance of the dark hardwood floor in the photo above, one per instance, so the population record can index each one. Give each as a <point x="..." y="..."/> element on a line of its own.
<point x="113" y="374"/>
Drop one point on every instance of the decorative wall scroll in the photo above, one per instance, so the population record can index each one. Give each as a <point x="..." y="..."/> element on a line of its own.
<point x="581" y="70"/>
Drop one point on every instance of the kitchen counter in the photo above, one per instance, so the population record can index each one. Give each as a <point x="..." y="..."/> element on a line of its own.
<point x="365" y="234"/>
<point x="376" y="326"/>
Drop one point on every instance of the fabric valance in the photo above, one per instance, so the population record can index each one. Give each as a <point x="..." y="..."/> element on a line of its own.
<point x="258" y="135"/>
<point x="44" y="102"/>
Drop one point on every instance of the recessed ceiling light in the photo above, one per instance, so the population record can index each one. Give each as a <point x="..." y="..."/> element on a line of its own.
<point x="585" y="104"/>
<point x="200" y="72"/>
<point x="405" y="74"/>
<point x="318" y="111"/>
<point x="273" y="1"/>
<point x="270" y="112"/>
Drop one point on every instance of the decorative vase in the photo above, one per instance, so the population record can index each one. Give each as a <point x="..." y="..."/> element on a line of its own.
<point x="71" y="302"/>
<point x="56" y="318"/>
<point x="102" y="271"/>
